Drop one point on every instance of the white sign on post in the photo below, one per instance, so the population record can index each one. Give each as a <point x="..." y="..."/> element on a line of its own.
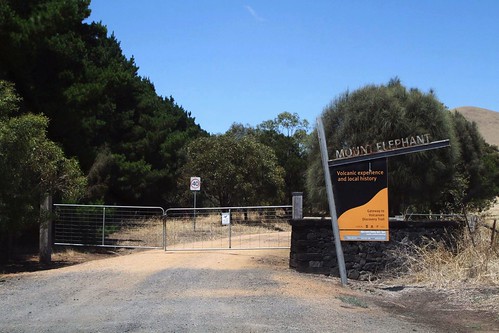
<point x="225" y="218"/>
<point x="195" y="184"/>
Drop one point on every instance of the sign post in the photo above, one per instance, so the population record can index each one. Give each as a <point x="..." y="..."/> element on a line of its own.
<point x="332" y="206"/>
<point x="195" y="187"/>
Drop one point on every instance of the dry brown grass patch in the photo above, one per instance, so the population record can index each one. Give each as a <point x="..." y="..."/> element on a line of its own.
<point x="472" y="260"/>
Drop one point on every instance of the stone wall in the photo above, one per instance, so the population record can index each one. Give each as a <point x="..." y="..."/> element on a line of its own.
<point x="313" y="250"/>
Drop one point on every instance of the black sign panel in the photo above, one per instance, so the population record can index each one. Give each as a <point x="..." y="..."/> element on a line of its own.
<point x="361" y="197"/>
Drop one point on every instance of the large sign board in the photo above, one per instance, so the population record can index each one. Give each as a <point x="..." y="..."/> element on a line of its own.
<point x="362" y="154"/>
<point x="361" y="196"/>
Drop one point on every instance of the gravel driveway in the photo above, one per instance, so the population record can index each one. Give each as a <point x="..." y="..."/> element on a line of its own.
<point x="154" y="291"/>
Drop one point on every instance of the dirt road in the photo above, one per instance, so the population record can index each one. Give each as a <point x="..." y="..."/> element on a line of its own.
<point x="154" y="291"/>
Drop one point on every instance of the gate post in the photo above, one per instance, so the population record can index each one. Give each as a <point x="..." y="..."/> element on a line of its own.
<point x="45" y="247"/>
<point x="164" y="232"/>
<point x="297" y="205"/>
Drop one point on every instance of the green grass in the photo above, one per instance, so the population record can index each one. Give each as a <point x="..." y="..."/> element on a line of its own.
<point x="352" y="300"/>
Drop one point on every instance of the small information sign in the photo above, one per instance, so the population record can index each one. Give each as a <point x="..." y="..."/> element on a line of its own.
<point x="195" y="184"/>
<point x="225" y="218"/>
<point x="364" y="235"/>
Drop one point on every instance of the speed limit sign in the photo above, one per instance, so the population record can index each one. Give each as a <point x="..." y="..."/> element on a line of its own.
<point x="195" y="183"/>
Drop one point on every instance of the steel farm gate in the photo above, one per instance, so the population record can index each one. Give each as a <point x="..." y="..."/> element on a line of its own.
<point x="252" y="227"/>
<point x="109" y="226"/>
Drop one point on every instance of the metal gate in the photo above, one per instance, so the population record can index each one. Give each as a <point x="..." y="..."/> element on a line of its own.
<point x="109" y="226"/>
<point x="253" y="227"/>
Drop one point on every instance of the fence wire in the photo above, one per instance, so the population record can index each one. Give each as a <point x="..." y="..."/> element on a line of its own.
<point x="254" y="227"/>
<point x="108" y="226"/>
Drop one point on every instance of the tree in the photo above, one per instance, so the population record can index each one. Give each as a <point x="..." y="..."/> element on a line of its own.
<point x="75" y="74"/>
<point x="477" y="170"/>
<point x="287" y="135"/>
<point x="30" y="166"/>
<point x="234" y="171"/>
<point x="419" y="181"/>
<point x="286" y="123"/>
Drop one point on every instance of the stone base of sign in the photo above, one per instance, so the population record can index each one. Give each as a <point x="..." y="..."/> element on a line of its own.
<point x="313" y="251"/>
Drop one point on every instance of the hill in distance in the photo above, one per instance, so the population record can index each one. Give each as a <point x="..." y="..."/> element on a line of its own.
<point x="488" y="125"/>
<point x="487" y="122"/>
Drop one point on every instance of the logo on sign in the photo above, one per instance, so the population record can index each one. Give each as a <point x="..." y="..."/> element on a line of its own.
<point x="195" y="184"/>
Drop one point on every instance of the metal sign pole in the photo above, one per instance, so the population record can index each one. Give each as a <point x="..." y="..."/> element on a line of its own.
<point x="230" y="231"/>
<point x="194" y="219"/>
<point x="332" y="205"/>
<point x="195" y="186"/>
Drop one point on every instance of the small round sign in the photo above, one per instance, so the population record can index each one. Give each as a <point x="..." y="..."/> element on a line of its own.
<point x="195" y="184"/>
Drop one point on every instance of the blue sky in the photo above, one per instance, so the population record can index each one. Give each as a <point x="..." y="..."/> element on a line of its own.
<point x="234" y="61"/>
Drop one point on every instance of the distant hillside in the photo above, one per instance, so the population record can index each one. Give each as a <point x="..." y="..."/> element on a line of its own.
<point x="486" y="120"/>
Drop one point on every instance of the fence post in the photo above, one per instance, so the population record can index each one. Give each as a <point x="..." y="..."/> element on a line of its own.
<point x="45" y="255"/>
<point x="103" y="225"/>
<point x="230" y="230"/>
<point x="297" y="205"/>
<point x="164" y="232"/>
<point x="493" y="233"/>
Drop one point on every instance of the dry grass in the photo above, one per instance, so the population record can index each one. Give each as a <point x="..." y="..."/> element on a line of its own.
<point x="486" y="120"/>
<point x="204" y="232"/>
<point x="147" y="233"/>
<point x="472" y="261"/>
<point x="465" y="274"/>
<point x="207" y="232"/>
<point x="472" y="265"/>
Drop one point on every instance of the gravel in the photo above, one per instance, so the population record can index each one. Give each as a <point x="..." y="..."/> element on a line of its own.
<point x="154" y="291"/>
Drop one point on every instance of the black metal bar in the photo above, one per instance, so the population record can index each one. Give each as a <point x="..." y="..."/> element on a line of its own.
<point x="391" y="153"/>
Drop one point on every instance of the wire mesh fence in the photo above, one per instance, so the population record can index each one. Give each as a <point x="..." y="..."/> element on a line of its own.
<point x="254" y="227"/>
<point x="108" y="226"/>
<point x="415" y="217"/>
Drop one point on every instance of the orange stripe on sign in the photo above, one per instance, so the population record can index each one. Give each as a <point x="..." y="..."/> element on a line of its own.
<point x="371" y="216"/>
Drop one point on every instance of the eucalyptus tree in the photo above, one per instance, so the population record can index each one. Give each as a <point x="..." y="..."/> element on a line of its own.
<point x="234" y="171"/>
<point x="287" y="135"/>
